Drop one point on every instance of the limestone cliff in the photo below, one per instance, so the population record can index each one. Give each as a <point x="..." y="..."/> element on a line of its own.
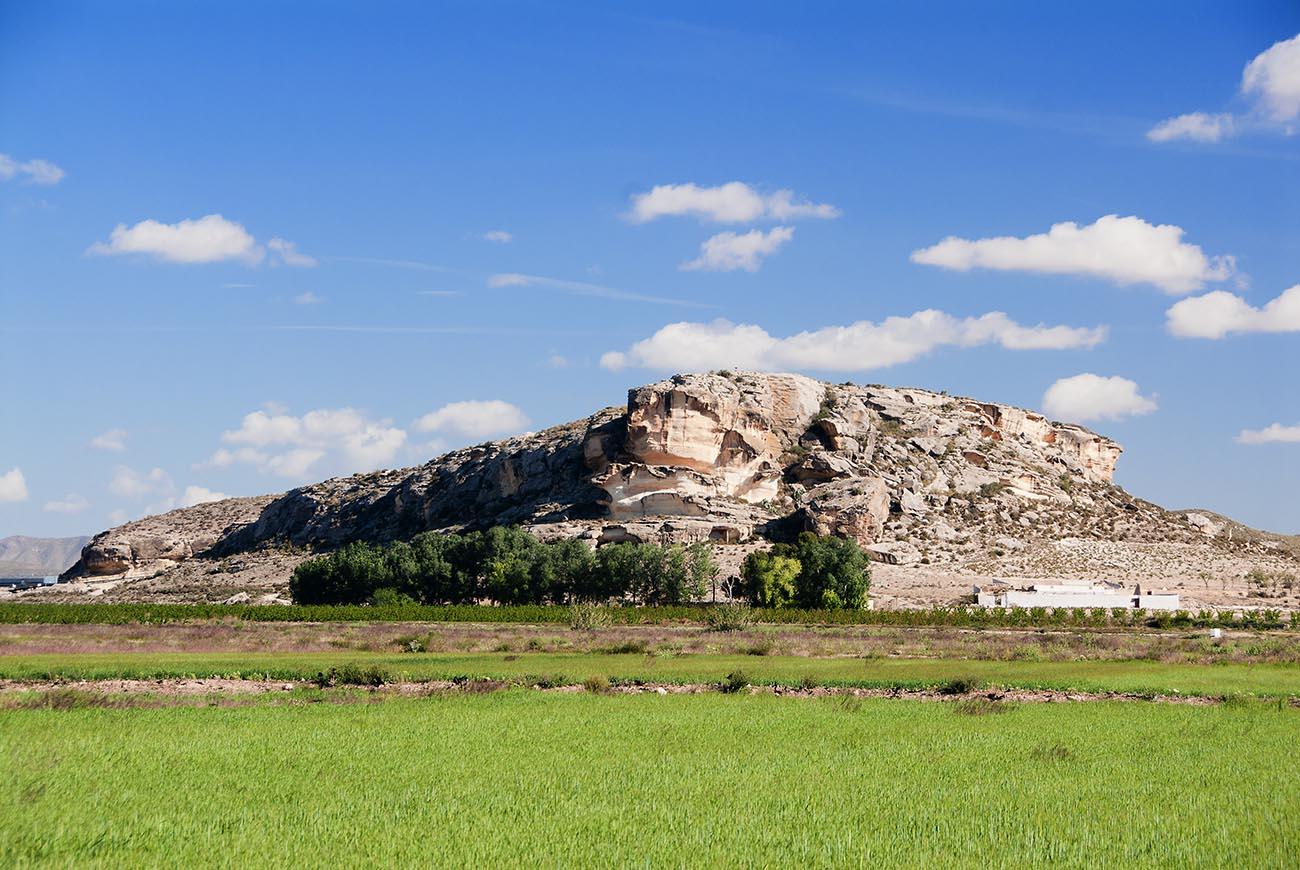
<point x="915" y="476"/>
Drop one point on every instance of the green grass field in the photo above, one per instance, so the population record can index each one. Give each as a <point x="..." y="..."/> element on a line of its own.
<point x="1141" y="677"/>
<point x="530" y="778"/>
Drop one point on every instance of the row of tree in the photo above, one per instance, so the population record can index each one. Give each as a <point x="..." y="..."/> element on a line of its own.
<point x="506" y="565"/>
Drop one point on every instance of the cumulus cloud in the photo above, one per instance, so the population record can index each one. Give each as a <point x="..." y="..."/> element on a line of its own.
<point x="113" y="439"/>
<point x="1272" y="434"/>
<point x="208" y="239"/>
<point x="13" y="486"/>
<point x="1124" y="250"/>
<point x="1272" y="79"/>
<point x="474" y="419"/>
<point x="732" y="203"/>
<point x="729" y="251"/>
<point x="859" y="346"/>
<point x="72" y="503"/>
<point x="129" y="483"/>
<point x="1196" y="126"/>
<point x="286" y="252"/>
<point x="1093" y="397"/>
<point x="34" y="171"/>
<point x="200" y="495"/>
<point x="1270" y="85"/>
<point x="1217" y="314"/>
<point x="498" y="236"/>
<point x="288" y="446"/>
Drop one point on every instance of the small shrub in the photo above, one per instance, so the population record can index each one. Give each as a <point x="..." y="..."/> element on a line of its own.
<point x="808" y="682"/>
<point x="736" y="681"/>
<point x="763" y="647"/>
<point x="587" y="617"/>
<point x="596" y="684"/>
<point x="544" y="681"/>
<point x="627" y="647"/>
<point x="352" y="675"/>
<point x="960" y="686"/>
<point x="729" y="617"/>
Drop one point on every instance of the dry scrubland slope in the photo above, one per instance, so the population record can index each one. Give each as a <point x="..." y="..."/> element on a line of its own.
<point x="942" y="489"/>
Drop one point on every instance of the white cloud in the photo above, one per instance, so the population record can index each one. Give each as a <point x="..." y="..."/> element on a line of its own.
<point x="474" y="419"/>
<point x="13" y="486"/>
<point x="72" y="503"/>
<point x="1093" y="397"/>
<point x="1216" y="314"/>
<point x="1272" y="434"/>
<point x="199" y="495"/>
<point x="118" y="516"/>
<point x="285" y="251"/>
<point x="129" y="483"/>
<point x="1270" y="84"/>
<point x="289" y="446"/>
<point x="113" y="439"/>
<point x="1197" y="126"/>
<point x="731" y="203"/>
<point x="208" y="239"/>
<point x="728" y="251"/>
<point x="557" y="361"/>
<point x="499" y="236"/>
<point x="308" y="298"/>
<point x="857" y="347"/>
<point x="1125" y="250"/>
<point x="34" y="171"/>
<point x="1273" y="80"/>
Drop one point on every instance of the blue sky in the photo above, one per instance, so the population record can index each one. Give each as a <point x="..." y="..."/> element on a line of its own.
<point x="446" y="222"/>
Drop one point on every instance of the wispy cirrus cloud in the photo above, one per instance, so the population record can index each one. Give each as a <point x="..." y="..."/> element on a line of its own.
<point x="583" y="288"/>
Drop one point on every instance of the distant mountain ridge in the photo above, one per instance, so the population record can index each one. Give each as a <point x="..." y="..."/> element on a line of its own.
<point x="23" y="556"/>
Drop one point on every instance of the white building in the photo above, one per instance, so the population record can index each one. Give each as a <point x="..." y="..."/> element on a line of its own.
<point x="1104" y="594"/>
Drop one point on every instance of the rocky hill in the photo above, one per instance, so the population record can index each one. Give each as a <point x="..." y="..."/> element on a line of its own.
<point x="939" y="489"/>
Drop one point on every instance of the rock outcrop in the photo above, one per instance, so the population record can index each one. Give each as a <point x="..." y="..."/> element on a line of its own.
<point x="915" y="476"/>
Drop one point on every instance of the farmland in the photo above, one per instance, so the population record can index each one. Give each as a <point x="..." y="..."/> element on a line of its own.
<point x="525" y="777"/>
<point x="665" y="743"/>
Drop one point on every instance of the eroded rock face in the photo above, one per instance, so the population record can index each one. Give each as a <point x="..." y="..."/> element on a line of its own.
<point x="695" y="457"/>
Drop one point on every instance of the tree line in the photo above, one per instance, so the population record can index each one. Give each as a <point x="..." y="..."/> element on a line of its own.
<point x="508" y="566"/>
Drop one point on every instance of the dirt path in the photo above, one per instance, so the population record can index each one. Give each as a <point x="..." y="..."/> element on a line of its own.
<point x="199" y="692"/>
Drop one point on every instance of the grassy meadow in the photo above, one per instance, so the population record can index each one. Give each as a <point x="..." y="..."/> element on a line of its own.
<point x="1131" y="676"/>
<point x="530" y="778"/>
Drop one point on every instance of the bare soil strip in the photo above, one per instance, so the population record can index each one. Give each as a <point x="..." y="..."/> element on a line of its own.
<point x="223" y="692"/>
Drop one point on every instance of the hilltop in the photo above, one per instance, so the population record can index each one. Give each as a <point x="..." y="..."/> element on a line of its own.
<point x="940" y="489"/>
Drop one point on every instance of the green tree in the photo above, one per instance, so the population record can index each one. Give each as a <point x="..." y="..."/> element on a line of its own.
<point x="771" y="577"/>
<point x="835" y="572"/>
